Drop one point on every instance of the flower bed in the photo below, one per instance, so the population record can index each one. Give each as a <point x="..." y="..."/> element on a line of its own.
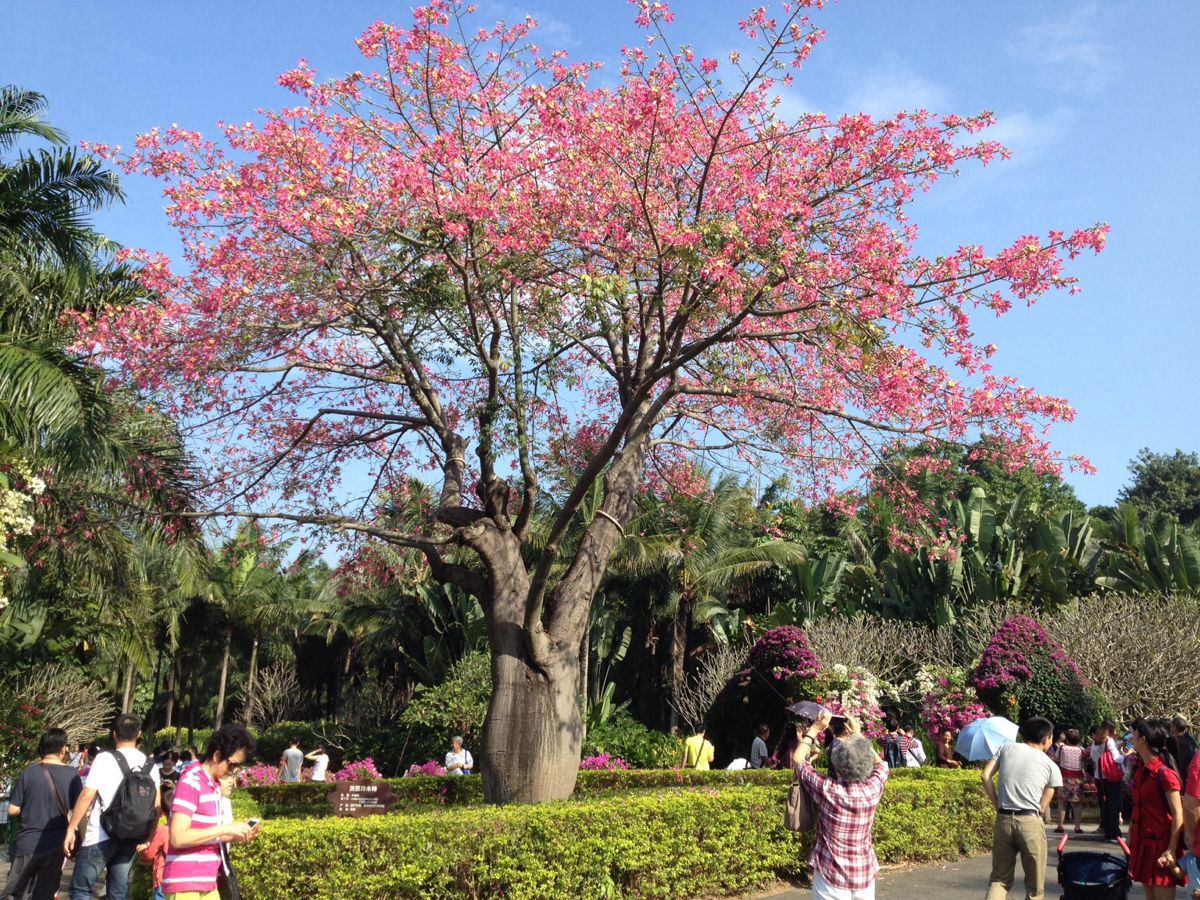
<point x="667" y="842"/>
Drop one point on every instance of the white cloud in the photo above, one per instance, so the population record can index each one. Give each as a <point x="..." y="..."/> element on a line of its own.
<point x="887" y="90"/>
<point x="1027" y="135"/>
<point x="1067" y="53"/>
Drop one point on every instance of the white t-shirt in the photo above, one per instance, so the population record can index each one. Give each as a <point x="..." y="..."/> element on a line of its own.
<point x="105" y="777"/>
<point x="463" y="758"/>
<point x="320" y="764"/>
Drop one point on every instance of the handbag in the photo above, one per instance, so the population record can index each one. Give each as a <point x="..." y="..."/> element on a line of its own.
<point x="801" y="812"/>
<point x="1110" y="770"/>
<point x="227" y="883"/>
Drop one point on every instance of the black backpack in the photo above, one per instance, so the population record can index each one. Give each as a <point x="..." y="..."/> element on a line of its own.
<point x="892" y="754"/>
<point x="133" y="813"/>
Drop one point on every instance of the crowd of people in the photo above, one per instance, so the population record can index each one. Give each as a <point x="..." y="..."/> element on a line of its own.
<point x="102" y="808"/>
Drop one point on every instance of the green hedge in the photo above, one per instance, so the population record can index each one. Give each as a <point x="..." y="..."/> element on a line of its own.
<point x="308" y="800"/>
<point x="683" y="841"/>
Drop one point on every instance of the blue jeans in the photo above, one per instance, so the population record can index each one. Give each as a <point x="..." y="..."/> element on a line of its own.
<point x="114" y="856"/>
<point x="158" y="894"/>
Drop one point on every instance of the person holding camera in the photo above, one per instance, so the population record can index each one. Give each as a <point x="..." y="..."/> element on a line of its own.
<point x="843" y="857"/>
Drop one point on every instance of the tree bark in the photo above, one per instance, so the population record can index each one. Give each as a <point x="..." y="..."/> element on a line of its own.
<point x="224" y="678"/>
<point x="246" y="710"/>
<point x="679" y="645"/>
<point x="127" y="694"/>
<point x="585" y="652"/>
<point x="170" y="711"/>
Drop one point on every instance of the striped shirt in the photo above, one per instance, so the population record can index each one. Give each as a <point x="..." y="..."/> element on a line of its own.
<point x="195" y="869"/>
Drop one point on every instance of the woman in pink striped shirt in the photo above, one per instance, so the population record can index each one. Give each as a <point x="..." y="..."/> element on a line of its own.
<point x="197" y="829"/>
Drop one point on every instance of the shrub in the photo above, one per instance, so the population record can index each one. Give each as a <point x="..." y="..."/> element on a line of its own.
<point x="71" y="700"/>
<point x="1024" y="672"/>
<point x="949" y="702"/>
<point x="178" y="737"/>
<point x="259" y="775"/>
<point x="601" y="762"/>
<point x="624" y="736"/>
<point x="852" y="692"/>
<point x="459" y="704"/>
<point x="681" y="842"/>
<point x="21" y="725"/>
<point x="359" y="770"/>
<point x="782" y="655"/>
<point x="431" y="768"/>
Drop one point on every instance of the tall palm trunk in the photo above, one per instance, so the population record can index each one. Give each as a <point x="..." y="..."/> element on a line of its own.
<point x="170" y="712"/>
<point x="219" y="717"/>
<point x="585" y="653"/>
<point x="127" y="694"/>
<point x="250" y="677"/>
<point x="679" y="647"/>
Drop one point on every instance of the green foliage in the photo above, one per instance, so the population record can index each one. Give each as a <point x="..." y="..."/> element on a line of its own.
<point x="1165" y="485"/>
<point x="21" y="724"/>
<point x="459" y="704"/>
<point x="1152" y="560"/>
<point x="678" y="842"/>
<point x="624" y="736"/>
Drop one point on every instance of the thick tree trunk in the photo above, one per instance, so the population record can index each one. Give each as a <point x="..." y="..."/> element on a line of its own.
<point x="533" y="732"/>
<point x="217" y="719"/>
<point x="246" y="705"/>
<point x="585" y="653"/>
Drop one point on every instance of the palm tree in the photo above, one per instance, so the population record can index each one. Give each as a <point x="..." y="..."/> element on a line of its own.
<point x="46" y="196"/>
<point x="688" y="556"/>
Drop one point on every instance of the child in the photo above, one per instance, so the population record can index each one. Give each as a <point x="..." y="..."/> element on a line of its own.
<point x="1187" y="874"/>
<point x="155" y="850"/>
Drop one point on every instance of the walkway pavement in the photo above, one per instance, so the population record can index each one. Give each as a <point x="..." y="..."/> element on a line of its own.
<point x="962" y="880"/>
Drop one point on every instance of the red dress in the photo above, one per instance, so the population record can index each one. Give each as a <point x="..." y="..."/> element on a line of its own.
<point x="1150" y="833"/>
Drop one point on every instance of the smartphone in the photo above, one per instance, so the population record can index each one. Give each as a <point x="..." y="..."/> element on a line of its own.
<point x="254" y="823"/>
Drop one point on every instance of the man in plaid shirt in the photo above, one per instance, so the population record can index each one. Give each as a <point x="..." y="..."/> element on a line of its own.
<point x="843" y="855"/>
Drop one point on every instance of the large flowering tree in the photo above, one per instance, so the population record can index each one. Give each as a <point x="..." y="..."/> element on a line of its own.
<point x="470" y="259"/>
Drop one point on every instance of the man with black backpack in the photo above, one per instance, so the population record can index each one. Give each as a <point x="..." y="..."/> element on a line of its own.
<point x="120" y="802"/>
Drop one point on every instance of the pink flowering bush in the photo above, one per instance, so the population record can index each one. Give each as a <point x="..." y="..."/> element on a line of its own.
<point x="950" y="704"/>
<point x="432" y="768"/>
<point x="602" y="761"/>
<point x="359" y="770"/>
<point x="852" y="692"/>
<point x="783" y="656"/>
<point x="258" y="775"/>
<point x="1024" y="672"/>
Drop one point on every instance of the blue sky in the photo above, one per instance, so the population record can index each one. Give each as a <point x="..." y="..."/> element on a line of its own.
<point x="1098" y="102"/>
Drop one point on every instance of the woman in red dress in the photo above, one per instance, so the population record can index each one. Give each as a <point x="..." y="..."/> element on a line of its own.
<point x="1157" y="811"/>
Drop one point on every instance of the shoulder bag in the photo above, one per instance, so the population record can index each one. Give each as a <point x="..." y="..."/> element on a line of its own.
<point x="801" y="812"/>
<point x="81" y="828"/>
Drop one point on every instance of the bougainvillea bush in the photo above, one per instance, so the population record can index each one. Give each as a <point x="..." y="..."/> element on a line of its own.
<point x="602" y="761"/>
<point x="1025" y="672"/>
<point x="359" y="770"/>
<point x="433" y="767"/>
<point x="852" y="692"/>
<point x="950" y="702"/>
<point x="782" y="656"/>
<point x="259" y="775"/>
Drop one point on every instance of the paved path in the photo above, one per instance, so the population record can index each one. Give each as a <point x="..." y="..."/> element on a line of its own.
<point x="962" y="880"/>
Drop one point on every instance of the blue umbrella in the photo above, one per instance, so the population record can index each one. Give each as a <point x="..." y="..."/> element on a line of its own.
<point x="983" y="737"/>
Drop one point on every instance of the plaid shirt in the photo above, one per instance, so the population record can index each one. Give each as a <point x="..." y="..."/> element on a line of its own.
<point x="843" y="852"/>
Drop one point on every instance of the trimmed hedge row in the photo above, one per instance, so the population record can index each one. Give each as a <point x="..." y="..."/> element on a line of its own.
<point x="684" y="841"/>
<point x="308" y="800"/>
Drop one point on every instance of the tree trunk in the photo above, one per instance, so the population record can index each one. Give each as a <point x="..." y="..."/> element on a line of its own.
<point x="585" y="653"/>
<point x="250" y="680"/>
<point x="170" y="711"/>
<point x="533" y="730"/>
<point x="156" y="696"/>
<point x="679" y="647"/>
<point x="127" y="694"/>
<point x="224" y="678"/>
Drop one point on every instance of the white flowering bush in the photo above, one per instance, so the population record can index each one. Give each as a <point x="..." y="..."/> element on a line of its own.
<point x="853" y="691"/>
<point x="19" y="487"/>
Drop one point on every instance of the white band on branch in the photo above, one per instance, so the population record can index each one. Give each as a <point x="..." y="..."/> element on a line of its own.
<point x="457" y="459"/>
<point x="601" y="512"/>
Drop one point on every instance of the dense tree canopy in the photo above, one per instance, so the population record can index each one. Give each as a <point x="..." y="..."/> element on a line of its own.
<point x="467" y="245"/>
<point x="1165" y="485"/>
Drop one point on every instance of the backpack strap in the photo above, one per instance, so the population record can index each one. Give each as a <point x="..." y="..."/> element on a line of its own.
<point x="148" y="767"/>
<point x="122" y="763"/>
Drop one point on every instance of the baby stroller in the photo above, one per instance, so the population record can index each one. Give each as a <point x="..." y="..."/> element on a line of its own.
<point x="1093" y="874"/>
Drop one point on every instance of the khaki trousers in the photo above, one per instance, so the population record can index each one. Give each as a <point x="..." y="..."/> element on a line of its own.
<point x="1018" y="836"/>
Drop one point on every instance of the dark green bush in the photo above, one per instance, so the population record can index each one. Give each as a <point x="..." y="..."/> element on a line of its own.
<point x="291" y="801"/>
<point x="626" y="737"/>
<point x="683" y="841"/>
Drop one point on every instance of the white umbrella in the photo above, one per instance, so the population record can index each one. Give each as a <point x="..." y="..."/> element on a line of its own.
<point x="983" y="737"/>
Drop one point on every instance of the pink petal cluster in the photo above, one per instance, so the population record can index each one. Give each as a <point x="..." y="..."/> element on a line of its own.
<point x="602" y="761"/>
<point x="469" y="237"/>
